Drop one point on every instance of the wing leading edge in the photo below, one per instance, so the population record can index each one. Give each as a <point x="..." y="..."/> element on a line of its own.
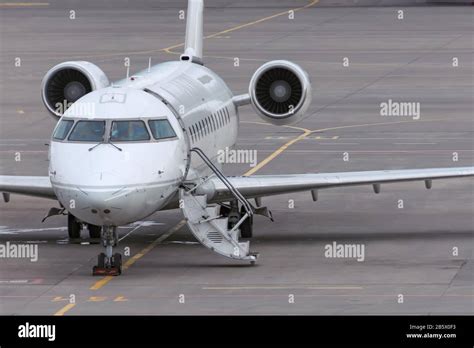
<point x="263" y="185"/>
<point x="36" y="186"/>
<point x="267" y="185"/>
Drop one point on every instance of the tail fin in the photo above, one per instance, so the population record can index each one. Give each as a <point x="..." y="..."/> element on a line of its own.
<point x="193" y="45"/>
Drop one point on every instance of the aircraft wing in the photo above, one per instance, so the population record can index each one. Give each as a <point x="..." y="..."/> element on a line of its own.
<point x="267" y="185"/>
<point x="36" y="186"/>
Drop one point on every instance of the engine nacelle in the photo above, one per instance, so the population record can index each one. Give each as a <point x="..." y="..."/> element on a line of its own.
<point x="67" y="82"/>
<point x="280" y="92"/>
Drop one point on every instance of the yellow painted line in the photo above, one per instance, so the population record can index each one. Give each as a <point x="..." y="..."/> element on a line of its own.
<point x="23" y="4"/>
<point x="97" y="285"/>
<point x="245" y="25"/>
<point x="58" y="298"/>
<point x="170" y="48"/>
<point x="105" y="280"/>
<point x="282" y="148"/>
<point x="241" y="26"/>
<point x="96" y="299"/>
<point x="307" y="132"/>
<point x="120" y="299"/>
<point x="66" y="308"/>
<point x="312" y="3"/>
<point x="369" y="125"/>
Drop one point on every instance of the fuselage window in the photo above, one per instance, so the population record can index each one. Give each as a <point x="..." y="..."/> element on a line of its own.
<point x="218" y="123"/>
<point x="63" y="129"/>
<point x="221" y="120"/>
<point x="227" y="113"/>
<point x="211" y="126"/>
<point x="224" y="117"/>
<point x="88" y="131"/>
<point x="129" y="131"/>
<point x="161" y="129"/>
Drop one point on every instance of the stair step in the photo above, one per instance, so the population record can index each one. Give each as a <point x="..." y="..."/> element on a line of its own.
<point x="211" y="230"/>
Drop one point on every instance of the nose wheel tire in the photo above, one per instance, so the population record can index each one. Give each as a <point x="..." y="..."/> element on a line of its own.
<point x="73" y="227"/>
<point x="117" y="262"/>
<point x="108" y="263"/>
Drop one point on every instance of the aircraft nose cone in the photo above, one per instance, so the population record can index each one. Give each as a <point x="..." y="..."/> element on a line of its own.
<point x="98" y="202"/>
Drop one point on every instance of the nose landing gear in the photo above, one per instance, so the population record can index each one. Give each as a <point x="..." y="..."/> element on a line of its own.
<point x="108" y="262"/>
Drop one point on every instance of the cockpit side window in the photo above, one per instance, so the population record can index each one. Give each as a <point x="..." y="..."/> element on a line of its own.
<point x="62" y="129"/>
<point x="88" y="131"/>
<point x="129" y="131"/>
<point x="161" y="129"/>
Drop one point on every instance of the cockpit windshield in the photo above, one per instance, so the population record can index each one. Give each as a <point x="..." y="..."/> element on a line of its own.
<point x="129" y="131"/>
<point x="62" y="129"/>
<point x="161" y="129"/>
<point x="88" y="131"/>
<point x="106" y="130"/>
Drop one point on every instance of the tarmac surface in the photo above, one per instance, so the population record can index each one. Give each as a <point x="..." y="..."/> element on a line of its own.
<point x="422" y="251"/>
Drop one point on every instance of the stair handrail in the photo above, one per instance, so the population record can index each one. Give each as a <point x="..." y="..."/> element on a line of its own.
<point x="235" y="192"/>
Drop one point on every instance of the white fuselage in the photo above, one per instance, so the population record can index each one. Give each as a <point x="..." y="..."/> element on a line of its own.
<point x="115" y="184"/>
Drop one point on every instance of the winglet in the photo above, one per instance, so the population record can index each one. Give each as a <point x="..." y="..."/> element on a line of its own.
<point x="194" y="33"/>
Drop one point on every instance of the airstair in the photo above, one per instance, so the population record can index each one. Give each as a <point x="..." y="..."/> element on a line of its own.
<point x="209" y="225"/>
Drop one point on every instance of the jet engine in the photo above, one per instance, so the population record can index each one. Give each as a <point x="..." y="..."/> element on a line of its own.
<point x="65" y="83"/>
<point x="280" y="92"/>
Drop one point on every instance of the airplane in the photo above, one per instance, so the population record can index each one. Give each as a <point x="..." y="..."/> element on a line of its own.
<point x="122" y="151"/>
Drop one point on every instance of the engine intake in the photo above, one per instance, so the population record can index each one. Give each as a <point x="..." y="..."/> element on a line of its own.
<point x="280" y="92"/>
<point x="65" y="83"/>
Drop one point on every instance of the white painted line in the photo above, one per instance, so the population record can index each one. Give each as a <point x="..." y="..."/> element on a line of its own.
<point x="338" y="143"/>
<point x="6" y="230"/>
<point x="181" y="242"/>
<point x="136" y="228"/>
<point x="282" y="287"/>
<point x="415" y="143"/>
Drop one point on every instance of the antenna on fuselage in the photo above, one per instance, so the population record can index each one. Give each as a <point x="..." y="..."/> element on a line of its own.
<point x="194" y="33"/>
<point x="149" y="64"/>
